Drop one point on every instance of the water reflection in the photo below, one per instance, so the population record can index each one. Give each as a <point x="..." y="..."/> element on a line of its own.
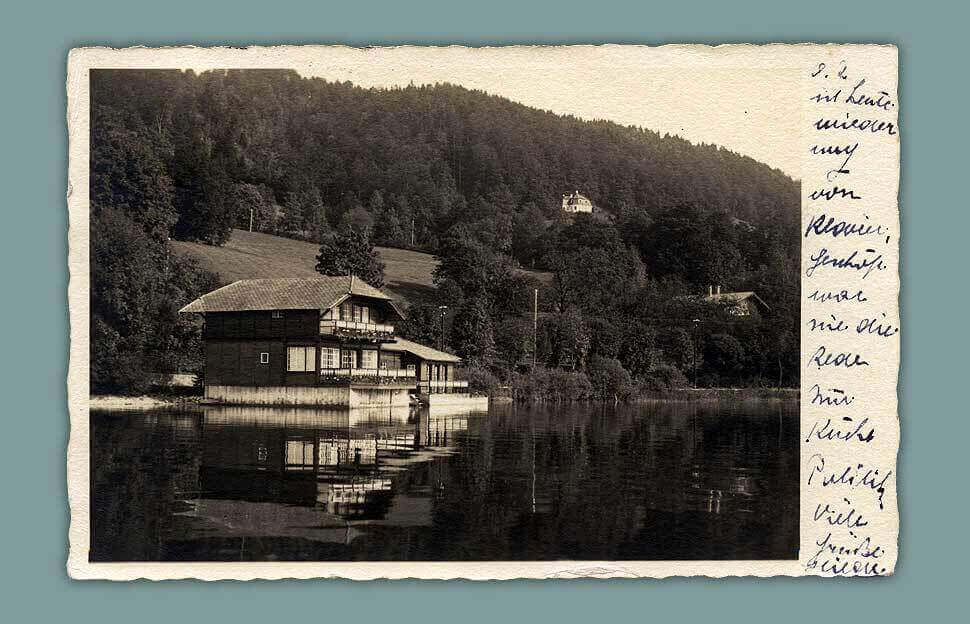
<point x="668" y="481"/>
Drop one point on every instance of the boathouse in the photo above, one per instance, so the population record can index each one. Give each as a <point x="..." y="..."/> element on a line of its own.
<point x="315" y="341"/>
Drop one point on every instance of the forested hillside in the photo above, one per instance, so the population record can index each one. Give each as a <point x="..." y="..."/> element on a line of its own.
<point x="304" y="152"/>
<point x="473" y="178"/>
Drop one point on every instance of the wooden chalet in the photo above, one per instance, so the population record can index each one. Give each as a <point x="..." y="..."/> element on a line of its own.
<point x="314" y="341"/>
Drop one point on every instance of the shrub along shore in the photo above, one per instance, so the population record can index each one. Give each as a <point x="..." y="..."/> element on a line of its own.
<point x="604" y="381"/>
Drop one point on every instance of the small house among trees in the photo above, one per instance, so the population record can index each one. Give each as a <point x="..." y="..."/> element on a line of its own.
<point x="745" y="303"/>
<point x="576" y="202"/>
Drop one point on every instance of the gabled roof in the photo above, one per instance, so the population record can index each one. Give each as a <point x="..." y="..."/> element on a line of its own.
<point x="735" y="297"/>
<point x="286" y="293"/>
<point x="575" y="197"/>
<point x="423" y="352"/>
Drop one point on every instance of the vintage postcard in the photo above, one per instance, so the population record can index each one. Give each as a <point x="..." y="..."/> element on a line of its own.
<point x="513" y="312"/>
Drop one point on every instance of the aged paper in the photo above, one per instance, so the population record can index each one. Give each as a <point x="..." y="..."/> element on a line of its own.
<point x="824" y="116"/>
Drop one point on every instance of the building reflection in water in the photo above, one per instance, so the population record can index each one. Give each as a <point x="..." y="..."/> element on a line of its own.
<point x="340" y="466"/>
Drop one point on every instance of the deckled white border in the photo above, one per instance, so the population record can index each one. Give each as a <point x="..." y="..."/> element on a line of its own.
<point x="318" y="59"/>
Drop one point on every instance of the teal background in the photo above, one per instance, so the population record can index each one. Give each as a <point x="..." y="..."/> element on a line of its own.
<point x="933" y="492"/>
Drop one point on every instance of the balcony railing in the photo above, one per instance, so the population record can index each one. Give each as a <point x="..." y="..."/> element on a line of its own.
<point x="443" y="386"/>
<point x="335" y="327"/>
<point x="388" y="374"/>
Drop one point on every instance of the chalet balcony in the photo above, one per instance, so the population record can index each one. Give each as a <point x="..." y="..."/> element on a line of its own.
<point x="355" y="329"/>
<point x="339" y="376"/>
<point x="440" y="386"/>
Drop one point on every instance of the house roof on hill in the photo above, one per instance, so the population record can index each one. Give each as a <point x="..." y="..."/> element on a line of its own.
<point x="736" y="297"/>
<point x="423" y="352"/>
<point x="576" y="198"/>
<point x="287" y="293"/>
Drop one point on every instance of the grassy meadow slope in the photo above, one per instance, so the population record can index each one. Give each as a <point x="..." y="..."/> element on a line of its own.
<point x="250" y="255"/>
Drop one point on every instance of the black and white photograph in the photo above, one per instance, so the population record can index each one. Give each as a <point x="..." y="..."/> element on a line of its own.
<point x="464" y="312"/>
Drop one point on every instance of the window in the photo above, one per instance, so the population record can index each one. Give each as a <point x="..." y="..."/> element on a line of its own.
<point x="277" y="314"/>
<point x="390" y="360"/>
<point x="346" y="312"/>
<point x="361" y="314"/>
<point x="329" y="357"/>
<point x="368" y="358"/>
<point x="299" y="454"/>
<point x="301" y="359"/>
<point x="264" y="358"/>
<point x="348" y="358"/>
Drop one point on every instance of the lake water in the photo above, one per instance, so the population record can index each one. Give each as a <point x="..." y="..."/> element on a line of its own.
<point x="714" y="480"/>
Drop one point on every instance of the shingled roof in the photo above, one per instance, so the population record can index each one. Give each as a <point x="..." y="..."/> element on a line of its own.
<point x="287" y="293"/>
<point x="423" y="352"/>
<point x="735" y="297"/>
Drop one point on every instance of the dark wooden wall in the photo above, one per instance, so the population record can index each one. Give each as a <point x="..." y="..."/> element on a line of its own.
<point x="261" y="324"/>
<point x="234" y="341"/>
<point x="236" y="363"/>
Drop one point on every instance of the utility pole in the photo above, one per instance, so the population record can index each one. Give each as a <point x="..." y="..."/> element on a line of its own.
<point x="693" y="350"/>
<point x="412" y="231"/>
<point x="250" y="219"/>
<point x="441" y="332"/>
<point x="535" y="325"/>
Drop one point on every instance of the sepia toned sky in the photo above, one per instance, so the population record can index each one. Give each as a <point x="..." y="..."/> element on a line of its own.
<point x="696" y="93"/>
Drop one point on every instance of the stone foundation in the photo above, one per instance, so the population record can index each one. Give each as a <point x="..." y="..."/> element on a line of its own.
<point x="322" y="396"/>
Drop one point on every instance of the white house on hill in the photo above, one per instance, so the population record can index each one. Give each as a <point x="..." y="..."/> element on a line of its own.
<point x="575" y="202"/>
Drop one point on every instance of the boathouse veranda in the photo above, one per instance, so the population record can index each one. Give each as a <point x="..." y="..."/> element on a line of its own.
<point x="314" y="341"/>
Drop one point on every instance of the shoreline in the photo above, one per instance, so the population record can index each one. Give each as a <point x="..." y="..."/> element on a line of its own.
<point x="121" y="402"/>
<point x="144" y="401"/>
<point x="709" y="394"/>
<point x="685" y="395"/>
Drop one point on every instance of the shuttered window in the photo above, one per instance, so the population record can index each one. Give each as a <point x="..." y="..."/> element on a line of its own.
<point x="329" y="357"/>
<point x="301" y="359"/>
